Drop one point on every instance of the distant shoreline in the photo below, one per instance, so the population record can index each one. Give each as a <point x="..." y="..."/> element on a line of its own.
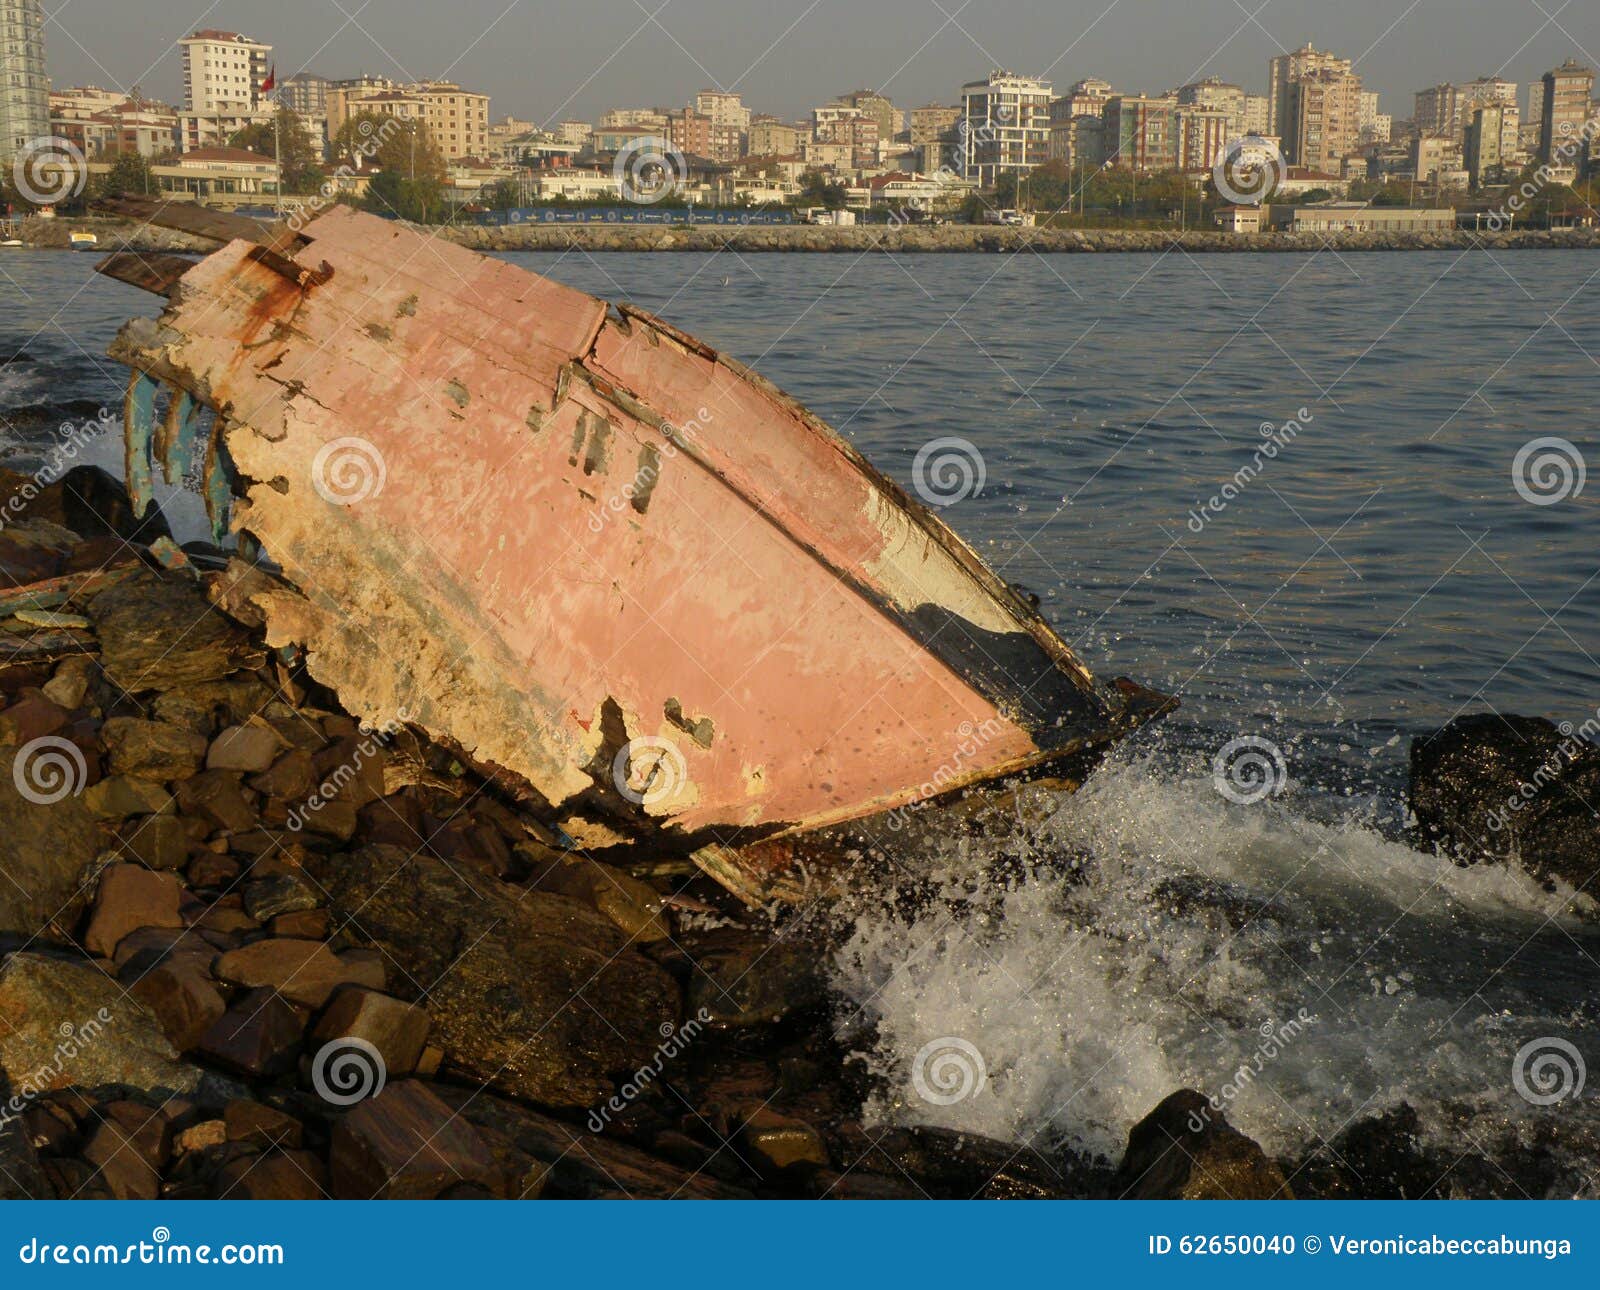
<point x="911" y="239"/>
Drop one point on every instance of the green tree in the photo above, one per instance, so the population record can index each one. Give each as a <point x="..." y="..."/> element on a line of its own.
<point x="410" y="169"/>
<point x="285" y="137"/>
<point x="504" y="196"/>
<point x="130" y="175"/>
<point x="816" y="189"/>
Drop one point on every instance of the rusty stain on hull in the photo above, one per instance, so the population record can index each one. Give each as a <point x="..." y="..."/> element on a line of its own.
<point x="550" y="534"/>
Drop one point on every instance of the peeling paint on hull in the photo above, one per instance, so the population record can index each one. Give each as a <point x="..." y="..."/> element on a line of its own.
<point x="552" y="536"/>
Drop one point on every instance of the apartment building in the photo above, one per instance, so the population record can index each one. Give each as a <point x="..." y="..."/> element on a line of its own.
<point x="1321" y="114"/>
<point x="457" y="119"/>
<point x="1285" y="69"/>
<point x="223" y="73"/>
<point x="1564" y="110"/>
<point x="1141" y="133"/>
<point x="726" y="110"/>
<point x="24" y="89"/>
<point x="872" y="104"/>
<point x="1005" y="126"/>
<point x="770" y="137"/>
<point x="305" y="94"/>
<point x="1216" y="95"/>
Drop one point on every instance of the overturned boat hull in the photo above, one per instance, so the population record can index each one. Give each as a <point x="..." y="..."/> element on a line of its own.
<point x="650" y="593"/>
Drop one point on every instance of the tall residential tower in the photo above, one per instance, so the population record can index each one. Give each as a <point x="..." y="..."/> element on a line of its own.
<point x="24" y="91"/>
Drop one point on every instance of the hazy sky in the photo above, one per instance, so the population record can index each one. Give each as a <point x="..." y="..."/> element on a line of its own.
<point x="553" y="59"/>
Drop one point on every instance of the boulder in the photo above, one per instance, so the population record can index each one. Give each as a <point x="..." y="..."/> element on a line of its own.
<point x="151" y="749"/>
<point x="1186" y="1150"/>
<point x="304" y="972"/>
<point x="259" y="1036"/>
<point x="743" y="978"/>
<point x="513" y="979"/>
<point x="398" y="1030"/>
<point x="405" y="1144"/>
<point x="66" y="1025"/>
<point x="248" y="748"/>
<point x="48" y="842"/>
<point x="130" y="897"/>
<point x="184" y="1000"/>
<point x="157" y="631"/>
<point x="1510" y="789"/>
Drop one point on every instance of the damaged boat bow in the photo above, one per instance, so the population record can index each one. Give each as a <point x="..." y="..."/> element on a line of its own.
<point x="652" y="595"/>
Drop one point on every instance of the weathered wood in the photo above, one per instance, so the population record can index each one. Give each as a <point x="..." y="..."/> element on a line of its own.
<point x="185" y="217"/>
<point x="152" y="271"/>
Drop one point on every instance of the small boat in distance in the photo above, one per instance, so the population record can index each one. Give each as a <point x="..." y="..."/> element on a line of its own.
<point x="81" y="241"/>
<point x="11" y="242"/>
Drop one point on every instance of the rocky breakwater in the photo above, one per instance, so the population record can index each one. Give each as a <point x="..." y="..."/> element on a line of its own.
<point x="114" y="235"/>
<point x="967" y="238"/>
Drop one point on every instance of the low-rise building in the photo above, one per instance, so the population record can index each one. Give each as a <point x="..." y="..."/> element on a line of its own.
<point x="1355" y="217"/>
<point x="1239" y="219"/>
<point x="225" y="178"/>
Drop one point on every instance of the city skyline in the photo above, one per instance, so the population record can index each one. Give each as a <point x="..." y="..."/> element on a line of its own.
<point x="915" y="52"/>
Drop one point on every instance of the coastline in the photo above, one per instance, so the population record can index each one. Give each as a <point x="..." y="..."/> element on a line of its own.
<point x="948" y="239"/>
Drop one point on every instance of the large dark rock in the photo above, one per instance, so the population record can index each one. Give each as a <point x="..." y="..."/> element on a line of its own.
<point x="158" y="632"/>
<point x="1186" y="1150"/>
<point x="534" y="994"/>
<point x="46" y="846"/>
<point x="1510" y="789"/>
<point x="945" y="1164"/>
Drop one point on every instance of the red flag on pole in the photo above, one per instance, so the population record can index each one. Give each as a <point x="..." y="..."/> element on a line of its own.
<point x="271" y="83"/>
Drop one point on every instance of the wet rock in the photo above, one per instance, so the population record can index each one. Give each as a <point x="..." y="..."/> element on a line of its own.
<point x="946" y="1164"/>
<point x="130" y="897"/>
<point x="1510" y="789"/>
<point x="95" y="503"/>
<point x="112" y="1039"/>
<point x="743" y="978"/>
<point x="250" y="749"/>
<point x="513" y="979"/>
<point x="577" y="1164"/>
<point x="258" y="1036"/>
<point x="398" y="1030"/>
<point x="1186" y="1150"/>
<point x="776" y="1142"/>
<point x="405" y="1144"/>
<point x="197" y="1137"/>
<point x="280" y="894"/>
<point x="158" y="632"/>
<point x="304" y="972"/>
<point x="48" y="841"/>
<point x="151" y="749"/>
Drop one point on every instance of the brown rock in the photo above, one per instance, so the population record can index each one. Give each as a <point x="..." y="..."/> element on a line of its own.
<point x="258" y="1036"/>
<point x="49" y="837"/>
<point x="209" y="870"/>
<point x="514" y="977"/>
<point x="157" y="632"/>
<point x="261" y="1125"/>
<point x="124" y="1171"/>
<point x="157" y="841"/>
<point x="69" y="686"/>
<point x="289" y="779"/>
<point x="778" y="1141"/>
<point x="197" y="1137"/>
<point x="305" y="972"/>
<point x="396" y="1029"/>
<point x="305" y="924"/>
<point x="146" y="1130"/>
<point x="151" y="749"/>
<point x="250" y="748"/>
<point x="130" y="897"/>
<point x="272" y="1175"/>
<point x="120" y="796"/>
<point x="184" y="1001"/>
<point x="1186" y="1150"/>
<point x="281" y="894"/>
<point x="218" y="798"/>
<point x="31" y="717"/>
<point x="405" y="1144"/>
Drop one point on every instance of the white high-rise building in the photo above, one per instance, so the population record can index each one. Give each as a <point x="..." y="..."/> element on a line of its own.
<point x="1005" y="126"/>
<point x="24" y="89"/>
<point x="223" y="73"/>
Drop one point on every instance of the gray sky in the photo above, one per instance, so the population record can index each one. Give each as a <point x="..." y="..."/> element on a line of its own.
<point x="552" y="59"/>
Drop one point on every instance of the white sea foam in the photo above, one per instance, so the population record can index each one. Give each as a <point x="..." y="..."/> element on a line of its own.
<point x="1187" y="927"/>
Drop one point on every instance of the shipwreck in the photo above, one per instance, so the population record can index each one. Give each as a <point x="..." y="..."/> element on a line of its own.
<point x="651" y="596"/>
